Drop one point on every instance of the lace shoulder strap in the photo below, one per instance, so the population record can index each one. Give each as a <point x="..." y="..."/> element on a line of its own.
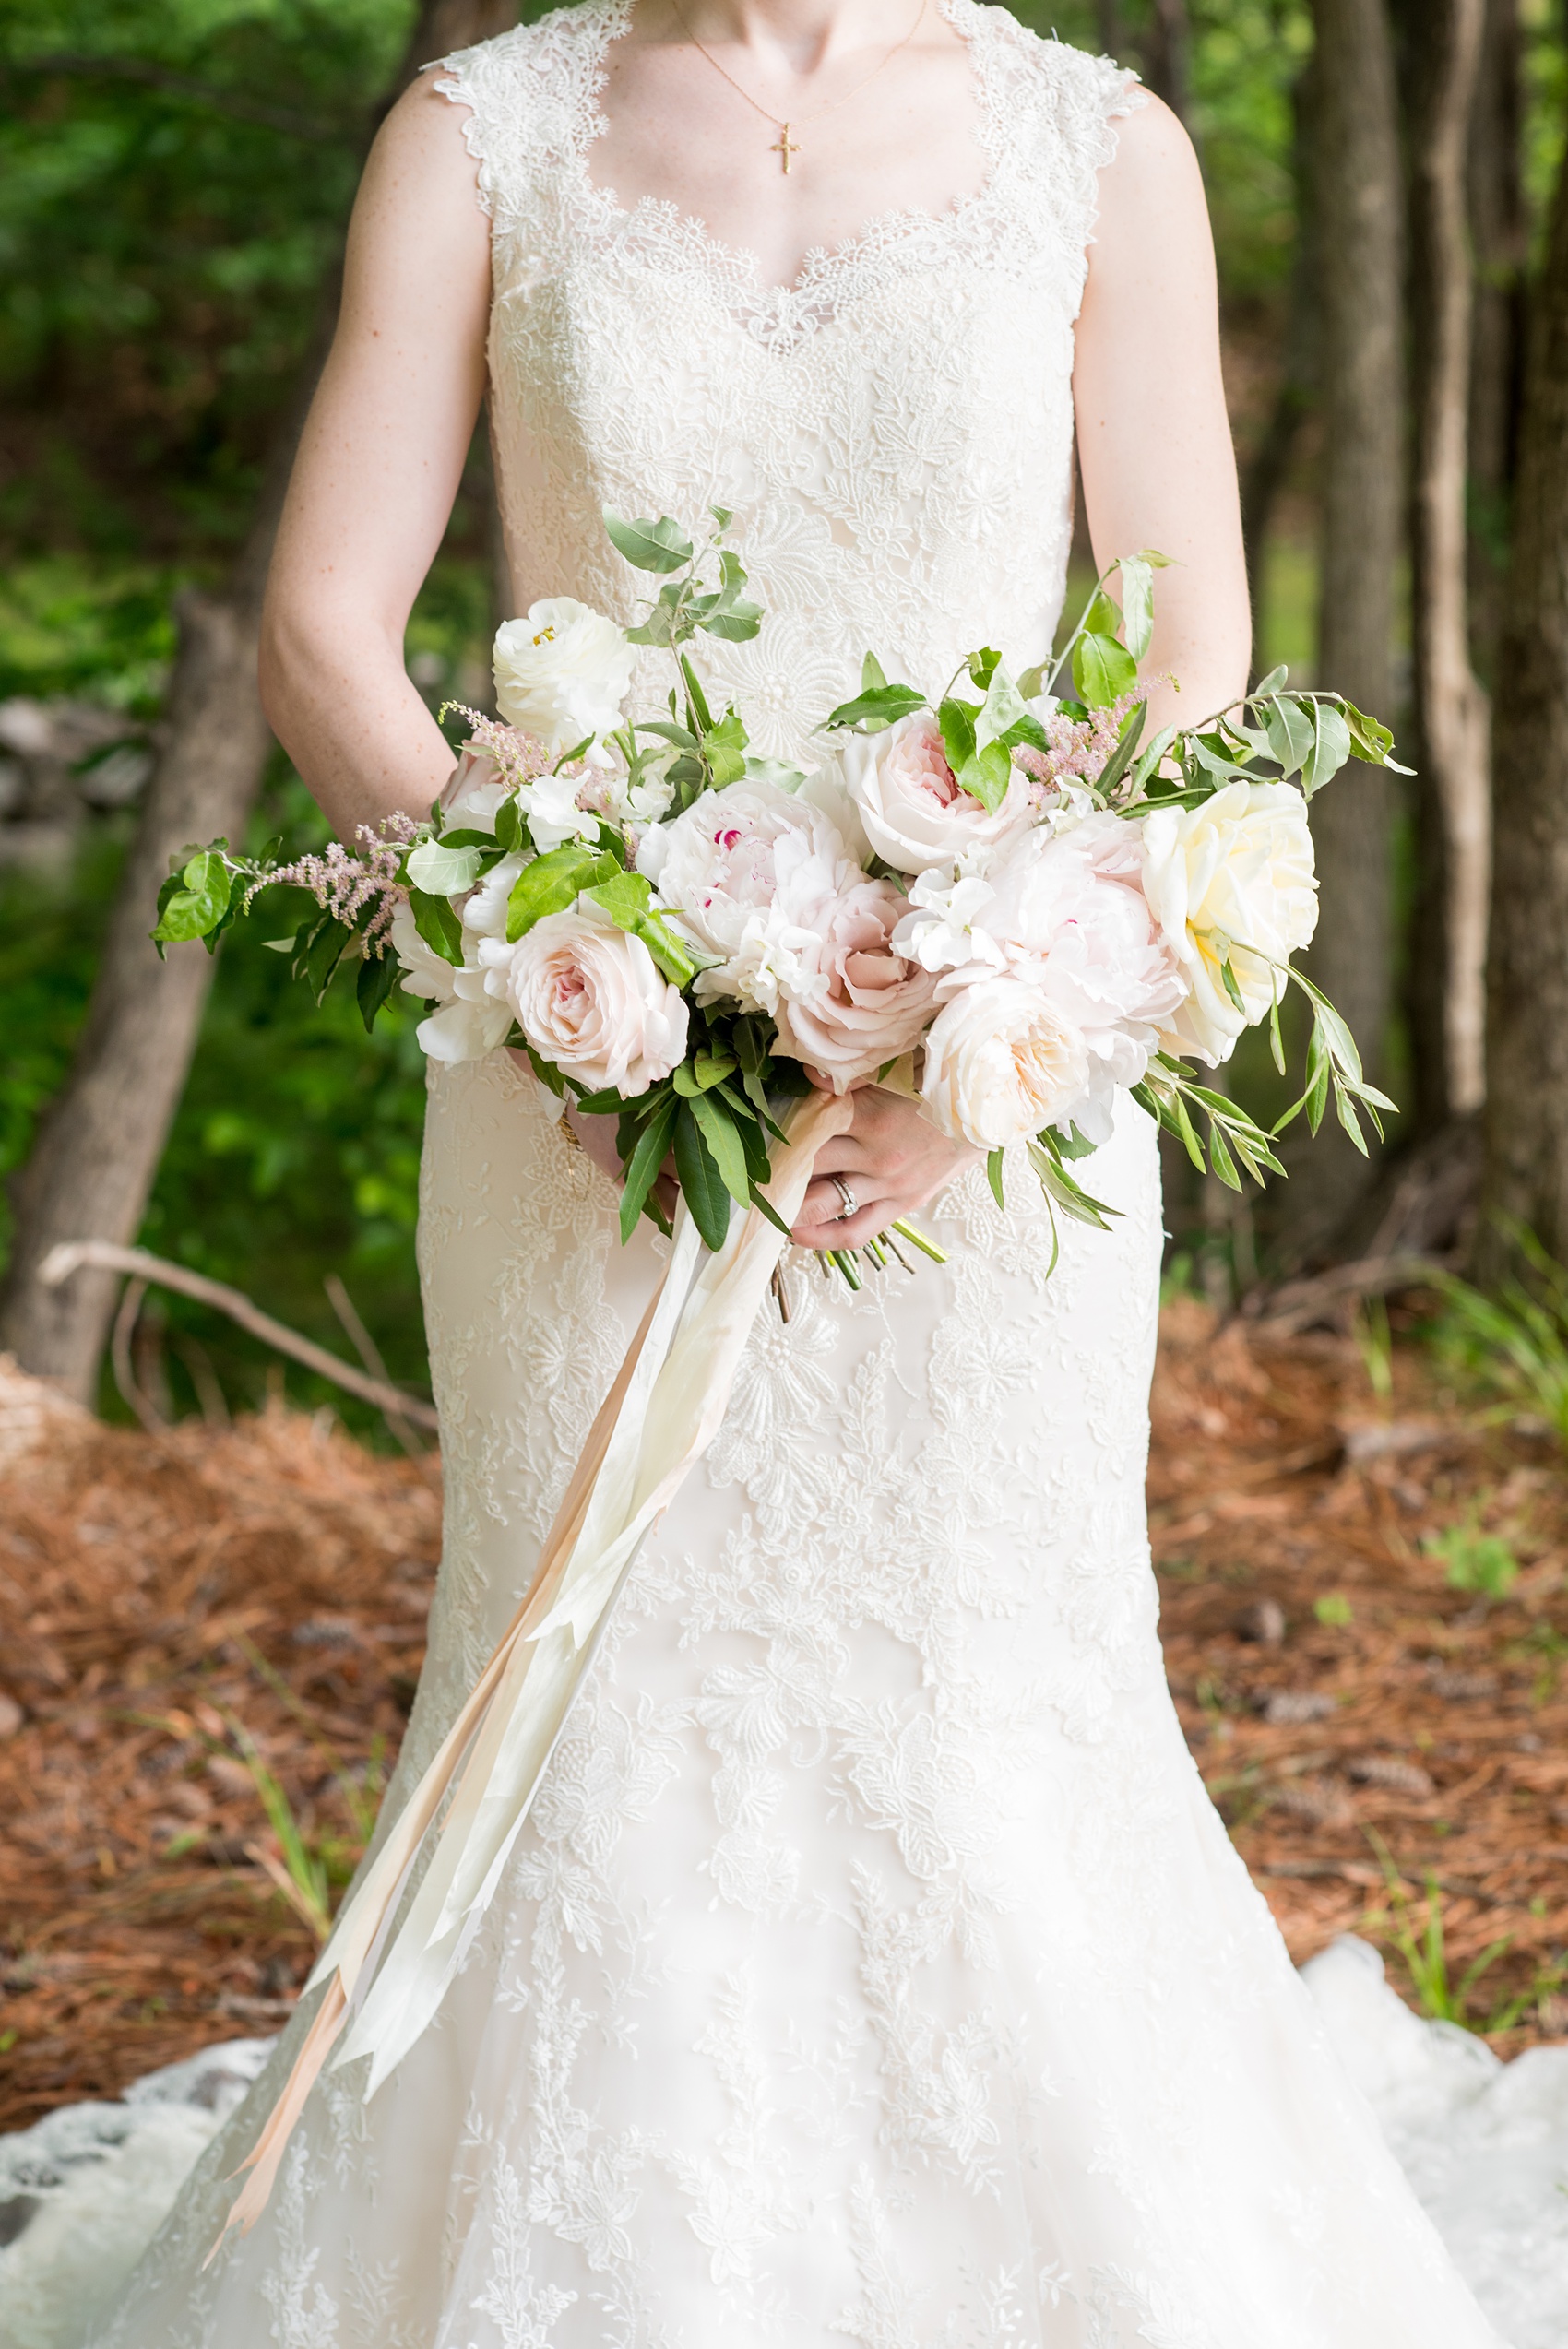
<point x="531" y="98"/>
<point x="1058" y="106"/>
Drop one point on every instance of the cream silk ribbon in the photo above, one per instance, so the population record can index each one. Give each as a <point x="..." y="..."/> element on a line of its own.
<point x="385" y="1979"/>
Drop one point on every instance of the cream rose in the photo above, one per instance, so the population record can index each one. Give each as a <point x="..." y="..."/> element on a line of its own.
<point x="862" y="1004"/>
<point x="913" y="811"/>
<point x="591" y="999"/>
<point x="1001" y="1059"/>
<point x="1231" y="877"/>
<point x="561" y="673"/>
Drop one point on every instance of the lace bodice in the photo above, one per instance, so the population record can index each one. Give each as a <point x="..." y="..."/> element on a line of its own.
<point x="893" y="433"/>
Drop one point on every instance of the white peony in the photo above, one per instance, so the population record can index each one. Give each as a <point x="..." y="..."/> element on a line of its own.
<point x="746" y="871"/>
<point x="1065" y="910"/>
<point x="857" y="1003"/>
<point x="1001" y="1059"/>
<point x="473" y="793"/>
<point x="1232" y="877"/>
<point x="591" y="999"/>
<point x="468" y="1022"/>
<point x="562" y="674"/>
<point x="555" y="817"/>
<point x="912" y="809"/>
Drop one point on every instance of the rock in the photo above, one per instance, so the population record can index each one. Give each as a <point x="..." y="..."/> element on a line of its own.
<point x="1462" y="1688"/>
<point x="1263" y="1621"/>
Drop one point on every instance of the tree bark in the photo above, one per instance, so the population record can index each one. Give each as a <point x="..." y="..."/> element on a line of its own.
<point x="1452" y="716"/>
<point x="1268" y="468"/>
<point x="1358" y="198"/>
<point x="1168" y="46"/>
<point x="99" y="1144"/>
<point x="1501" y="232"/>
<point x="1527" y="1111"/>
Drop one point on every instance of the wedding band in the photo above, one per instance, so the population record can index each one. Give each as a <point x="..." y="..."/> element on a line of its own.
<point x="851" y="1205"/>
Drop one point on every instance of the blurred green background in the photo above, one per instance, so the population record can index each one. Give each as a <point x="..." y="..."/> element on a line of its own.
<point x="172" y="181"/>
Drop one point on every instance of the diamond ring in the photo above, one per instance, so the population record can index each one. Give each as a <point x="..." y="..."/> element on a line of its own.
<point x="851" y="1205"/>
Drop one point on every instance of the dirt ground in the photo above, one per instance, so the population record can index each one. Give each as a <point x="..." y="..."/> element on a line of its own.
<point x="191" y="1622"/>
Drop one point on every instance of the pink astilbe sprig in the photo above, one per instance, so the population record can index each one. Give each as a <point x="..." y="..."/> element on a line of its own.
<point x="345" y="881"/>
<point x="1079" y="752"/>
<point x="516" y="757"/>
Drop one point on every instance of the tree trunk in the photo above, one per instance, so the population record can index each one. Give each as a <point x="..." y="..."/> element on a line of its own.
<point x="1501" y="232"/>
<point x="99" y="1143"/>
<point x="1112" y="30"/>
<point x="1168" y="45"/>
<point x="1268" y="468"/>
<point x="1451" y="718"/>
<point x="1358" y="198"/>
<point x="1527" y="1111"/>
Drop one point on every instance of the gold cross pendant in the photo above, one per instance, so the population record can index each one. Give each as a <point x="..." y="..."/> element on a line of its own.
<point x="782" y="148"/>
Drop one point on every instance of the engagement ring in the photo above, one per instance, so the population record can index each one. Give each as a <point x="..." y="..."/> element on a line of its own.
<point x="851" y="1204"/>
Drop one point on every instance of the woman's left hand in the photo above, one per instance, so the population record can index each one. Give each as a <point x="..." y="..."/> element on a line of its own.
<point x="894" y="1161"/>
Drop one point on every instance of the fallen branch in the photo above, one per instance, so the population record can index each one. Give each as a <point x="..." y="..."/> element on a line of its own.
<point x="1299" y="1303"/>
<point x="105" y="1256"/>
<point x="1363" y="1873"/>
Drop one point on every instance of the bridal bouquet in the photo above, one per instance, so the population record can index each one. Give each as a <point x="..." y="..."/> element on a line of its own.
<point x="999" y="899"/>
<point x="996" y="899"/>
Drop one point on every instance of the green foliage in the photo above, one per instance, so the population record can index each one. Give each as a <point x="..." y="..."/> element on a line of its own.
<point x="1516" y="1340"/>
<point x="1475" y="1561"/>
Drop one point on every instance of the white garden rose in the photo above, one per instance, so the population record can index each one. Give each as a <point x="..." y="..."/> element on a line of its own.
<point x="1231" y="877"/>
<point x="856" y="1003"/>
<point x="472" y="793"/>
<point x="591" y="999"/>
<point x="1001" y="1059"/>
<point x="912" y="809"/>
<point x="563" y="672"/>
<point x="745" y="871"/>
<point x="468" y="1022"/>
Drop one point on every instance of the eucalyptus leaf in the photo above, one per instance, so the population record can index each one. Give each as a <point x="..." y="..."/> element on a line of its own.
<point x="650" y="546"/>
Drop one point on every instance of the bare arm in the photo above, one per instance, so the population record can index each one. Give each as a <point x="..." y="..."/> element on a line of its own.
<point x="378" y="467"/>
<point x="1154" y="439"/>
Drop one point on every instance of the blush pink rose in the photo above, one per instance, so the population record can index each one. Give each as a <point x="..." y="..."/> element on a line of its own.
<point x="861" y="1005"/>
<point x="591" y="999"/>
<point x="910" y="802"/>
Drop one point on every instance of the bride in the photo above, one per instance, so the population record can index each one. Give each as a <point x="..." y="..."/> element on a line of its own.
<point x="872" y="1967"/>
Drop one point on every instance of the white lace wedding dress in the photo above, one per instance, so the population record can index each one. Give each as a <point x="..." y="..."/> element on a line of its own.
<point x="874" y="1968"/>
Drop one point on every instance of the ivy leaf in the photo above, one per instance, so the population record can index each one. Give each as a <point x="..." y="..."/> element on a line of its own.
<point x="872" y="674"/>
<point x="724" y="748"/>
<point x="552" y="883"/>
<point x="1002" y="708"/>
<point x="650" y="546"/>
<point x="1103" y="670"/>
<point x="193" y="903"/>
<point x="957" y="720"/>
<point x="1031" y="681"/>
<point x="702" y="1186"/>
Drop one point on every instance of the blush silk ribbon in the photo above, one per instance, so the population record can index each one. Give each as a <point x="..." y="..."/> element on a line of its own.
<point x="385" y="1979"/>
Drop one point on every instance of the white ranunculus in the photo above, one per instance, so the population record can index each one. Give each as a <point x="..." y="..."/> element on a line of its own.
<point x="856" y="1003"/>
<point x="551" y="805"/>
<point x="745" y="872"/>
<point x="591" y="999"/>
<point x="468" y="1022"/>
<point x="913" y="811"/>
<point x="1001" y="1059"/>
<point x="1231" y="877"/>
<point x="563" y="672"/>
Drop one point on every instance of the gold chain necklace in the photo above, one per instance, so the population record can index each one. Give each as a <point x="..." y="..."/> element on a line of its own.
<point x="784" y="147"/>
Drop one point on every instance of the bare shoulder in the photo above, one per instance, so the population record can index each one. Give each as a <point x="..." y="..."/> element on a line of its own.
<point x="421" y="151"/>
<point x="1152" y="207"/>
